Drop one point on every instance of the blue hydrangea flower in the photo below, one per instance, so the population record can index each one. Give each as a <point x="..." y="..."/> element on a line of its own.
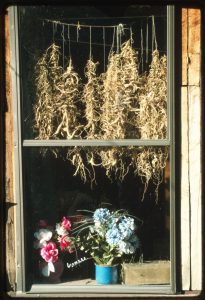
<point x="127" y="227"/>
<point x="101" y="215"/>
<point x="129" y="247"/>
<point x="113" y="222"/>
<point x="113" y="236"/>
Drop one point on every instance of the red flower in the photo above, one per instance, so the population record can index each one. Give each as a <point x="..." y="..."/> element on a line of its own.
<point x="65" y="242"/>
<point x="49" y="252"/>
<point x="66" y="223"/>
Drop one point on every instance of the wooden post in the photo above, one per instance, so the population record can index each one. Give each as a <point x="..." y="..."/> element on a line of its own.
<point x="191" y="227"/>
<point x="10" y="205"/>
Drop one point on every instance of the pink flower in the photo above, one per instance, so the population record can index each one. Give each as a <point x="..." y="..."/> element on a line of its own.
<point x="49" y="252"/>
<point x="64" y="242"/>
<point x="66" y="223"/>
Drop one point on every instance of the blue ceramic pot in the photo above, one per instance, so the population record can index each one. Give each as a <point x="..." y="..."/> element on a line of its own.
<point x="106" y="274"/>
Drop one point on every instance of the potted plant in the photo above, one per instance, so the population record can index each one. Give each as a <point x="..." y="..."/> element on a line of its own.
<point x="109" y="237"/>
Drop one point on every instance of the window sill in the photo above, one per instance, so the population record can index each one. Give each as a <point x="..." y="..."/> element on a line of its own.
<point x="89" y="289"/>
<point x="96" y="295"/>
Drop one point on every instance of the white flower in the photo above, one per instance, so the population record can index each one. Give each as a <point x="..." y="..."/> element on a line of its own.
<point x="43" y="236"/>
<point x="60" y="230"/>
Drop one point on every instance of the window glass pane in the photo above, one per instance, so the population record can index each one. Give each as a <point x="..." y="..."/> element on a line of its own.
<point x="54" y="189"/>
<point x="125" y="97"/>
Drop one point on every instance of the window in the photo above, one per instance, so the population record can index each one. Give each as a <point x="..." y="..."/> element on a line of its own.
<point x="94" y="129"/>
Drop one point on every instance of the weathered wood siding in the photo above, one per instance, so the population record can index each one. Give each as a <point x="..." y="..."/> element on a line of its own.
<point x="191" y="221"/>
<point x="9" y="189"/>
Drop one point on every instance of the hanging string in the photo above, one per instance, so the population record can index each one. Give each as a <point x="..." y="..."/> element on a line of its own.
<point x="142" y="59"/>
<point x="62" y="34"/>
<point x="69" y="48"/>
<point x="78" y="25"/>
<point x="154" y="32"/>
<point x="77" y="30"/>
<point x="90" y="43"/>
<point x="147" y="42"/>
<point x="117" y="40"/>
<point x="113" y="40"/>
<point x="104" y="47"/>
<point x="121" y="32"/>
<point x="131" y="34"/>
<point x="152" y="36"/>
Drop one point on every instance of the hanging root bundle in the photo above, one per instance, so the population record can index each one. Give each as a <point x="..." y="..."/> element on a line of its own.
<point x="152" y="122"/>
<point x="153" y="102"/>
<point x="120" y="94"/>
<point x="121" y="86"/>
<point x="57" y="95"/>
<point x="132" y="88"/>
<point x="48" y="73"/>
<point x="83" y="159"/>
<point x="66" y="110"/>
<point x="115" y="162"/>
<point x="149" y="163"/>
<point x="92" y="99"/>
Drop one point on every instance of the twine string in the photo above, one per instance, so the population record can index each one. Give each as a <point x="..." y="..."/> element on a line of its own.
<point x="154" y="38"/>
<point x="90" y="42"/>
<point x="69" y="47"/>
<point x="104" y="47"/>
<point x="63" y="37"/>
<point x="142" y="47"/>
<point x="147" y="42"/>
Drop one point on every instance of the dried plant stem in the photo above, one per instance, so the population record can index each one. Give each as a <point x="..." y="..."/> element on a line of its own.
<point x="121" y="88"/>
<point x="93" y="100"/>
<point x="153" y="102"/>
<point x="56" y="109"/>
<point x="149" y="163"/>
<point x="48" y="73"/>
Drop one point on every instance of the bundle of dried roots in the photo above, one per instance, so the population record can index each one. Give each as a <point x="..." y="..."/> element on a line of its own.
<point x="115" y="162"/>
<point x="83" y="159"/>
<point x="48" y="73"/>
<point x="57" y="95"/>
<point x="152" y="119"/>
<point x="121" y="85"/>
<point x="65" y="105"/>
<point x="92" y="99"/>
<point x="149" y="164"/>
<point x="121" y="89"/>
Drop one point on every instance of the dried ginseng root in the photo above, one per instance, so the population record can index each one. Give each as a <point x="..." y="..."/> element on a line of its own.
<point x="121" y="88"/>
<point x="114" y="160"/>
<point x="121" y="85"/>
<point x="48" y="73"/>
<point x="78" y="156"/>
<point x="153" y="102"/>
<point x="65" y="106"/>
<point x="92" y="98"/>
<point x="152" y="122"/>
<point x="149" y="164"/>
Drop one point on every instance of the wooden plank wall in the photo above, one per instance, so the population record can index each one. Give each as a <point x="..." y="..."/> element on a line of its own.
<point x="10" y="202"/>
<point x="191" y="227"/>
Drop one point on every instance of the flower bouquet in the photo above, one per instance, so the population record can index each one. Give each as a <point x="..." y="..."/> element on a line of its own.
<point x="52" y="242"/>
<point x="108" y="237"/>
